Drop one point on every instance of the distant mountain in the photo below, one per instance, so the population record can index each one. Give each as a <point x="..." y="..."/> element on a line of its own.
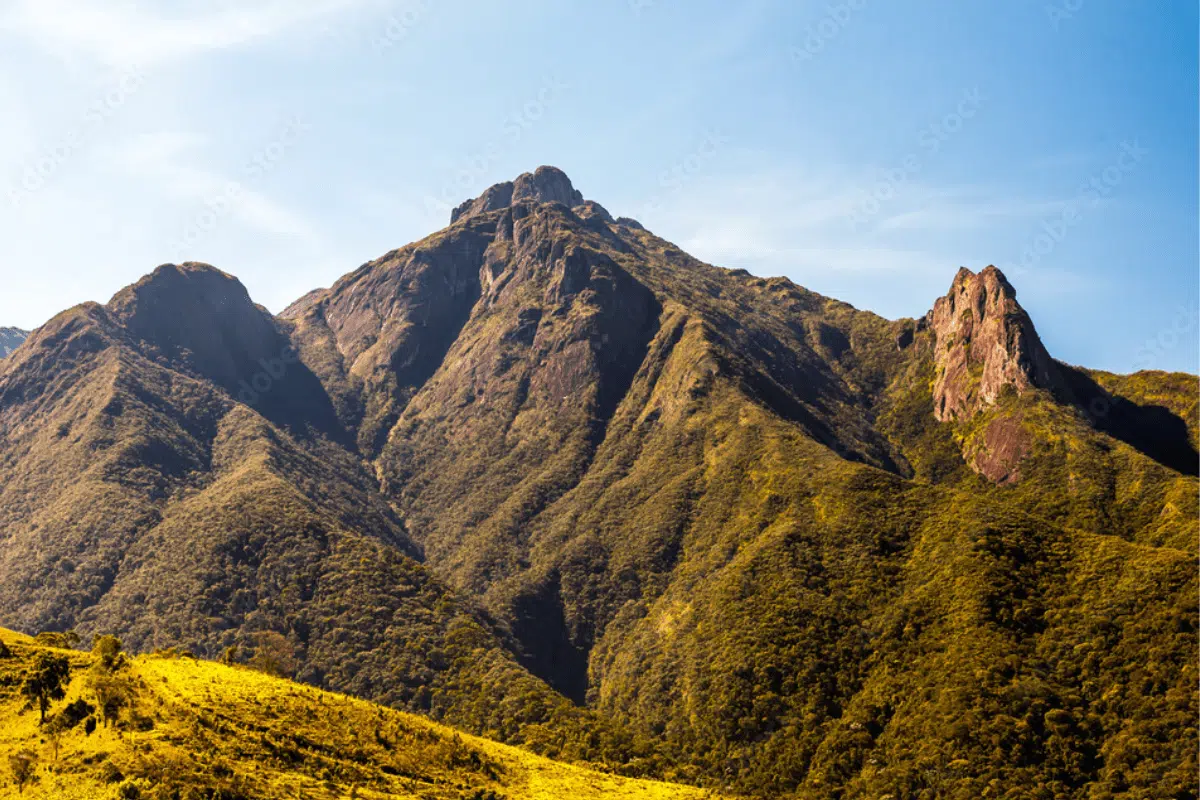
<point x="10" y="338"/>
<point x="546" y="476"/>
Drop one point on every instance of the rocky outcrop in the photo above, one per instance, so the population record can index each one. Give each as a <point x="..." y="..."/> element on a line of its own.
<point x="198" y="315"/>
<point x="543" y="185"/>
<point x="985" y="343"/>
<point x="201" y="320"/>
<point x="379" y="333"/>
<point x="1003" y="445"/>
<point x="10" y="339"/>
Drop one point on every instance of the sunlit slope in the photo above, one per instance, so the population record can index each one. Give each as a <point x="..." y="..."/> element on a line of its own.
<point x="201" y="729"/>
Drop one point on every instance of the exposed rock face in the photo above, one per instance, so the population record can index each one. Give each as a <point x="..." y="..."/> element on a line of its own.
<point x="543" y="185"/>
<point x="10" y="339"/>
<point x="197" y="317"/>
<point x="984" y="342"/>
<point x="546" y="185"/>
<point x="1005" y="444"/>
<point x="378" y="334"/>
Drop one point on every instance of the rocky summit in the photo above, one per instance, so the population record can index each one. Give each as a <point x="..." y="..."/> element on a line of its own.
<point x="984" y="343"/>
<point x="546" y="477"/>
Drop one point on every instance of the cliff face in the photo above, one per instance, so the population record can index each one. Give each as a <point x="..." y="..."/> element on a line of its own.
<point x="985" y="343"/>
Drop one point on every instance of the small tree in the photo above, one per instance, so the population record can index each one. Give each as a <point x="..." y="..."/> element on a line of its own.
<point x="23" y="765"/>
<point x="229" y="656"/>
<point x="107" y="679"/>
<point x="114" y="692"/>
<point x="47" y="681"/>
<point x="107" y="651"/>
<point x="54" y="733"/>
<point x="274" y="655"/>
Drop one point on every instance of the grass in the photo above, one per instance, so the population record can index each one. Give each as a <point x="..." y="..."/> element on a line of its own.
<point x="202" y="729"/>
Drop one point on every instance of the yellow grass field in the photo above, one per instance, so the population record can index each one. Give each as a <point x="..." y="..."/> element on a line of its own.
<point x="199" y="729"/>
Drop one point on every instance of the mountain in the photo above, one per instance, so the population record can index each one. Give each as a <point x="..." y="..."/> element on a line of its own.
<point x="190" y="728"/>
<point x="10" y="338"/>
<point x="681" y="520"/>
<point x="173" y="472"/>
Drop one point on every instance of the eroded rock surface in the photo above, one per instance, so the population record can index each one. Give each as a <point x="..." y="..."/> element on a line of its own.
<point x="984" y="343"/>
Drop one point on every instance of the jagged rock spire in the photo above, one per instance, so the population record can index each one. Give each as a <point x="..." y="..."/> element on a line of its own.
<point x="984" y="342"/>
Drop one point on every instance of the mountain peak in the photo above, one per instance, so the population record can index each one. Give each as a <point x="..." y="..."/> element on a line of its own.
<point x="200" y="315"/>
<point x="985" y="342"/>
<point x="544" y="185"/>
<point x="174" y="295"/>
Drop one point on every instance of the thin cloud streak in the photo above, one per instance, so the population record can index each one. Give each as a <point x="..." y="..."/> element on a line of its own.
<point x="120" y="33"/>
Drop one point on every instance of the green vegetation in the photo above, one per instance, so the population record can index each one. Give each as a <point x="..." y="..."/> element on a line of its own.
<point x="552" y="481"/>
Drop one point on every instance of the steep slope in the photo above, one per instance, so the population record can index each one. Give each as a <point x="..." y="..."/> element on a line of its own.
<point x="139" y="494"/>
<point x="192" y="728"/>
<point x="10" y="338"/>
<point x="699" y="497"/>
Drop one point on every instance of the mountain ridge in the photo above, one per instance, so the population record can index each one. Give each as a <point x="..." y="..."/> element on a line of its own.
<point x="681" y="517"/>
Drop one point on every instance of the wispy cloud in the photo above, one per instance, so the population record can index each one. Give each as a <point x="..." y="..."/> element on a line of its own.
<point x="172" y="162"/>
<point x="802" y="223"/>
<point x="118" y="32"/>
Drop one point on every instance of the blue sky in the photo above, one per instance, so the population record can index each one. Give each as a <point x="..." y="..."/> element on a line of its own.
<point x="864" y="149"/>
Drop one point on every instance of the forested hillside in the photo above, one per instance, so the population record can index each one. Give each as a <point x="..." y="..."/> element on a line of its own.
<point x="545" y="476"/>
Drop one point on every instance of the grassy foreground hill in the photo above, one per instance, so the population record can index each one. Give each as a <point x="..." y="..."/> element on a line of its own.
<point x="198" y="729"/>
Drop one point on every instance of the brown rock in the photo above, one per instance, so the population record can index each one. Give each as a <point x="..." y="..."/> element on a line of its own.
<point x="985" y="342"/>
<point x="1005" y="444"/>
<point x="543" y="185"/>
